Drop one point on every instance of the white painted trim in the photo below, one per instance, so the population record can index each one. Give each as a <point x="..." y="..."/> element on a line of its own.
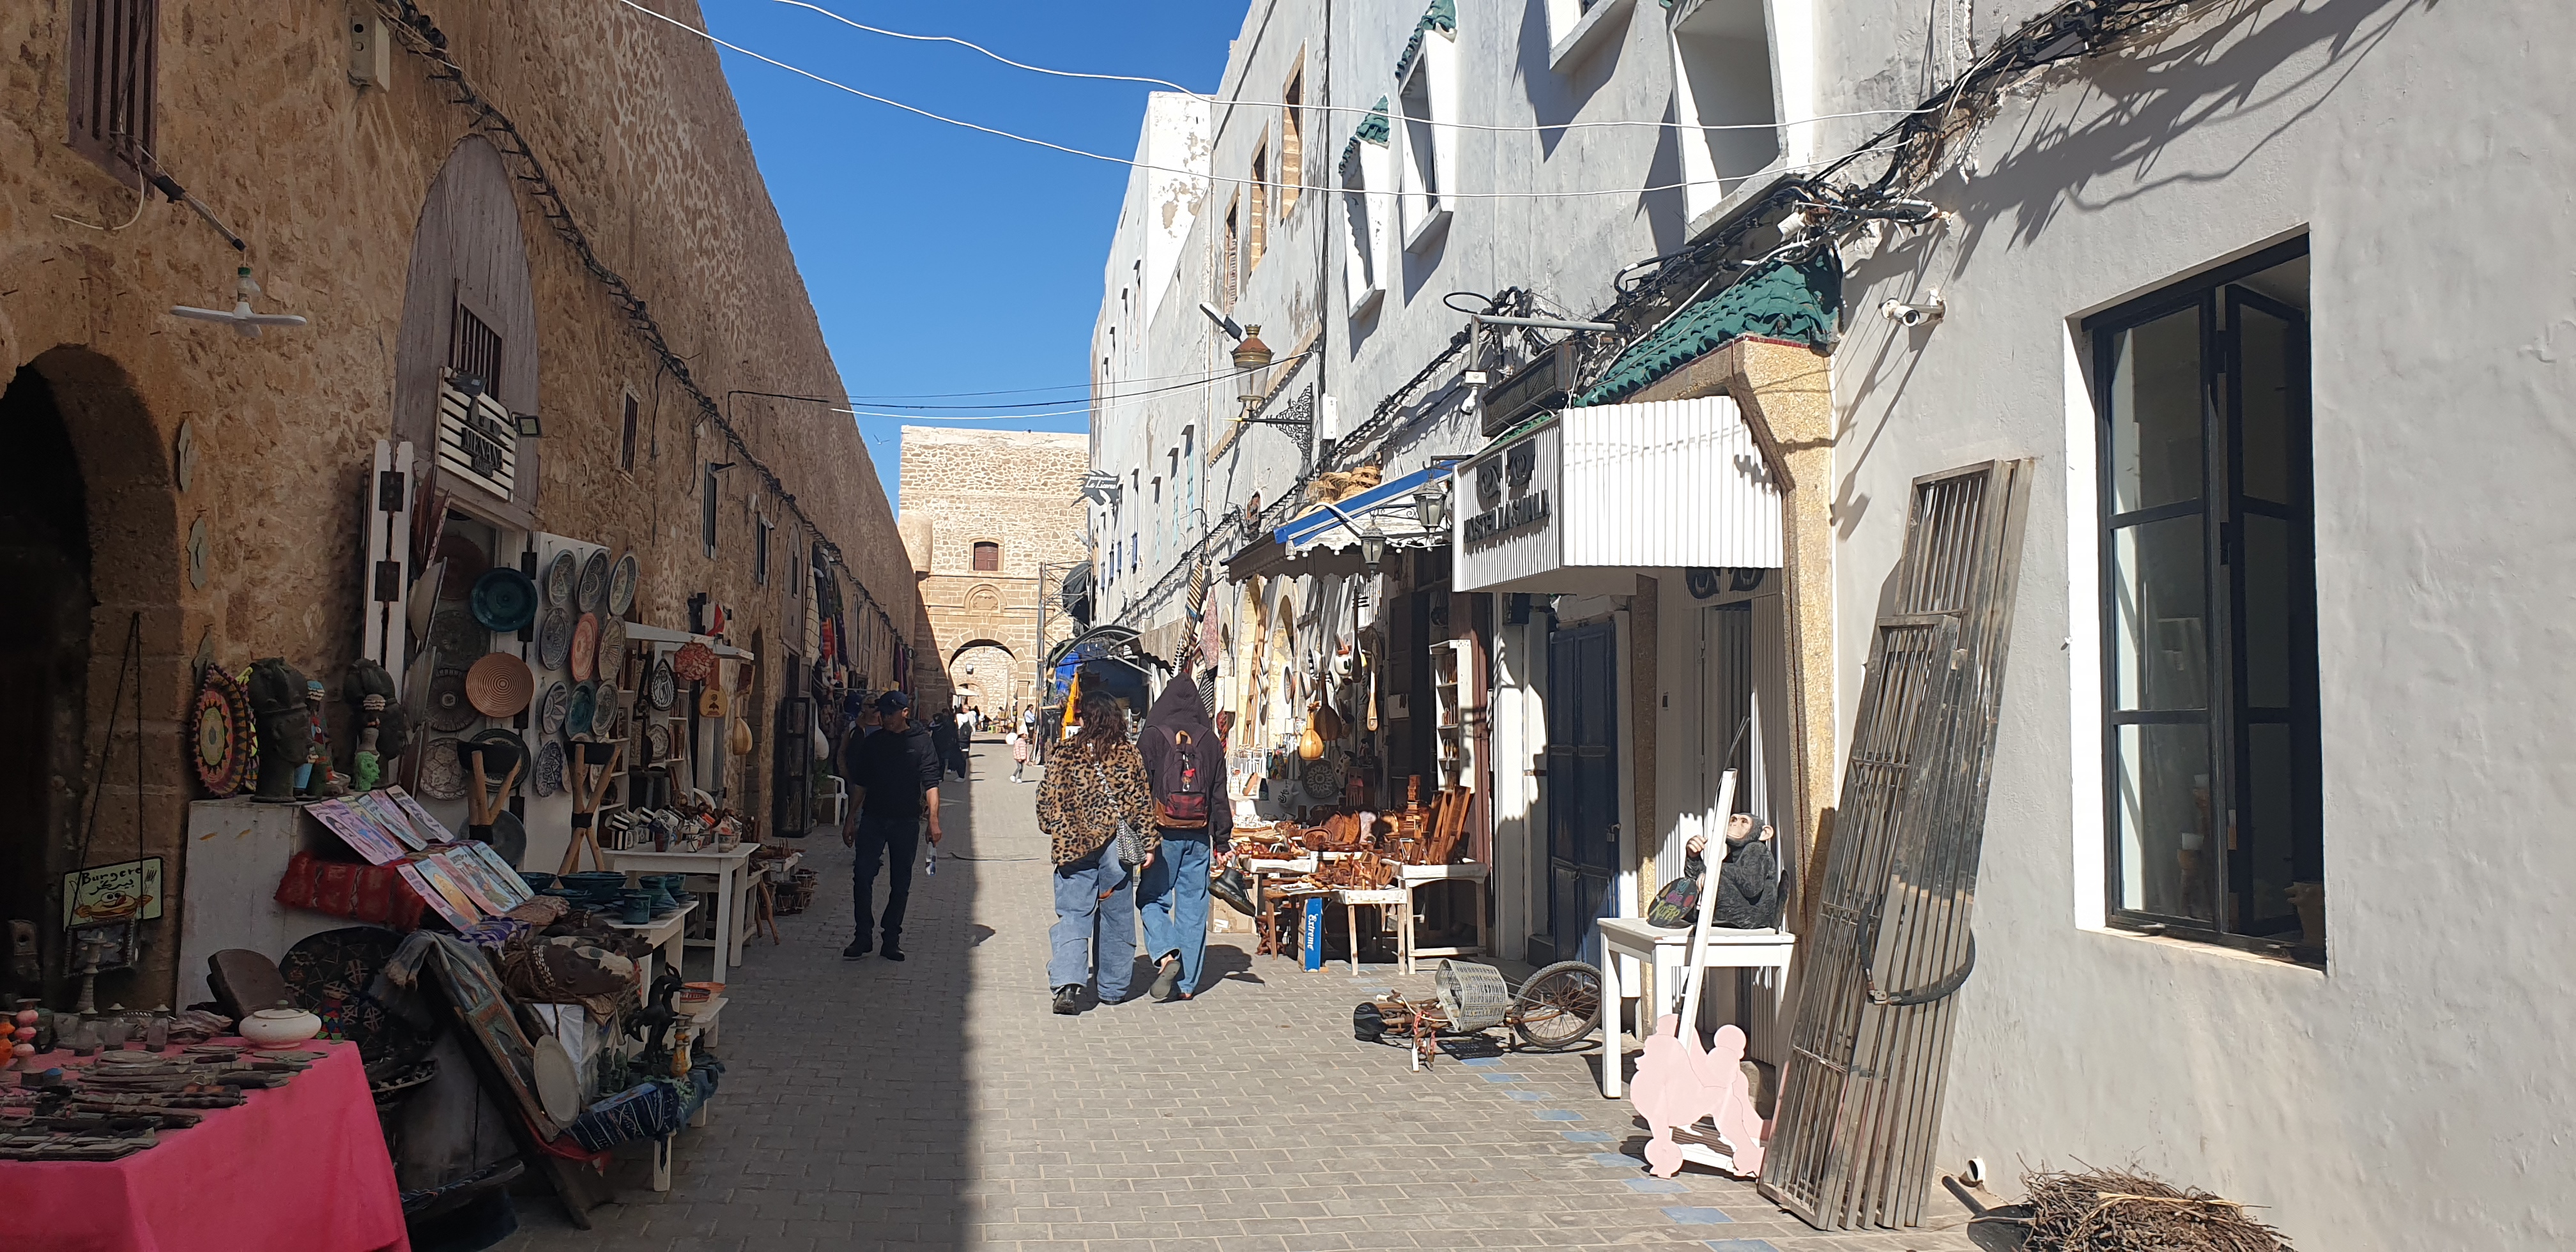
<point x="2083" y="648"/>
<point x="1577" y="40"/>
<point x="1426" y="212"/>
<point x="1366" y="258"/>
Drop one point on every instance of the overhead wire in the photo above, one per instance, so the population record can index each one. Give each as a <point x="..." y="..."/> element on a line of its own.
<point x="1106" y="403"/>
<point x="1209" y="176"/>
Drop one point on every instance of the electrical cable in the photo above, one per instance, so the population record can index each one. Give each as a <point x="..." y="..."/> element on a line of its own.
<point x="1210" y="177"/>
<point x="1199" y="381"/>
<point x="1327" y="108"/>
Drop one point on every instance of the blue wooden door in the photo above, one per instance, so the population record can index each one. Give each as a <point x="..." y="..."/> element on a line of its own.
<point x="1582" y="786"/>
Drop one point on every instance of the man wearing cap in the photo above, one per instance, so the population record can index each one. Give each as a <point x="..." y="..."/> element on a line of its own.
<point x="896" y="775"/>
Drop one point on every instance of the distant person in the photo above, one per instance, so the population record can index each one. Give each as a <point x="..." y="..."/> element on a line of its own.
<point x="943" y="740"/>
<point x="1096" y="784"/>
<point x="1185" y="767"/>
<point x="895" y="773"/>
<point x="1019" y="745"/>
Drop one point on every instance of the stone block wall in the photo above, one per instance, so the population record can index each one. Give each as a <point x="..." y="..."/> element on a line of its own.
<point x="1019" y="490"/>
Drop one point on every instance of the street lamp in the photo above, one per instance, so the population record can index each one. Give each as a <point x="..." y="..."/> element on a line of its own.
<point x="1431" y="506"/>
<point x="1252" y="360"/>
<point x="1372" y="550"/>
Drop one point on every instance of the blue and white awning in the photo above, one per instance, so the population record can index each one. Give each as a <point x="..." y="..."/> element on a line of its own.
<point x="1388" y="507"/>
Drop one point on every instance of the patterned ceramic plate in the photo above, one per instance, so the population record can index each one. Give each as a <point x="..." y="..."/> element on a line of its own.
<point x="224" y="734"/>
<point x="550" y="763"/>
<point x="449" y="709"/>
<point x="457" y="637"/>
<point x="663" y="687"/>
<point x="442" y="776"/>
<point x="621" y="586"/>
<point x="585" y="702"/>
<point x="552" y="707"/>
<point x="560" y="573"/>
<point x="657" y="742"/>
<point x="554" y="638"/>
<point x="585" y="647"/>
<point x="594" y="582"/>
<point x="608" y="712"/>
<point x="611" y="660"/>
<point x="695" y="662"/>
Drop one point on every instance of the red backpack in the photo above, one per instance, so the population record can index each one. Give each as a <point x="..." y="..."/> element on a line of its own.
<point x="1187" y="807"/>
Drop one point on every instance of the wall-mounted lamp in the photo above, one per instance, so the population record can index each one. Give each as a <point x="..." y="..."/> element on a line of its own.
<point x="718" y="467"/>
<point x="1252" y="360"/>
<point x="1431" y="506"/>
<point x="528" y="426"/>
<point x="1372" y="550"/>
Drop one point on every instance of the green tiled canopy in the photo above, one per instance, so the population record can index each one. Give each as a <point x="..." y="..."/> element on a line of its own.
<point x="1799" y="302"/>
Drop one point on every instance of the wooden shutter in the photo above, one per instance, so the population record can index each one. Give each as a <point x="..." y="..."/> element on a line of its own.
<point x="114" y="62"/>
<point x="1860" y="1103"/>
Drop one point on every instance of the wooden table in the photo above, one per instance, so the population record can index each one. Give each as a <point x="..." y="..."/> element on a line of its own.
<point x="1411" y="878"/>
<point x="1397" y="898"/>
<point x="662" y="937"/>
<point x="731" y="882"/>
<point x="1666" y="951"/>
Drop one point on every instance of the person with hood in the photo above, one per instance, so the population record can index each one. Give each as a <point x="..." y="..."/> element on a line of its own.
<point x="1185" y="768"/>
<point x="1096" y="786"/>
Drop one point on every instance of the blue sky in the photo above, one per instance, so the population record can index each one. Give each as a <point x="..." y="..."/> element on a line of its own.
<point x="940" y="259"/>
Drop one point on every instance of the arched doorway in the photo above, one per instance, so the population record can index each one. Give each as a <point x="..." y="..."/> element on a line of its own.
<point x="986" y="675"/>
<point x="88" y="553"/>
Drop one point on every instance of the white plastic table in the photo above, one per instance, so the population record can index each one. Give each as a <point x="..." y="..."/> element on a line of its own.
<point x="1411" y="878"/>
<point x="731" y="882"/>
<point x="1665" y="951"/>
<point x="661" y="937"/>
<point x="1397" y="898"/>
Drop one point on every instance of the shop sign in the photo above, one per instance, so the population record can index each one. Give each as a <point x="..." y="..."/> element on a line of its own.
<point x="1524" y="509"/>
<point x="127" y="891"/>
<point x="478" y="440"/>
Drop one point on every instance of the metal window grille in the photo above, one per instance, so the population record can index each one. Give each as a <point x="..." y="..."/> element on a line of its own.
<point x="473" y="348"/>
<point x="626" y="437"/>
<point x="114" y="59"/>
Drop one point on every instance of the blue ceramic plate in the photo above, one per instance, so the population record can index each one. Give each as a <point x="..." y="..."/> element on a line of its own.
<point x="585" y="703"/>
<point x="504" y="599"/>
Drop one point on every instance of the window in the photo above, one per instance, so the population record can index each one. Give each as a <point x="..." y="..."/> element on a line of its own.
<point x="1134" y="559"/>
<point x="1722" y="78"/>
<point x="707" y="509"/>
<point x="115" y="58"/>
<point x="626" y="436"/>
<point x="1260" y="225"/>
<point x="1187" y="433"/>
<point x="760" y="552"/>
<point x="1158" y="489"/>
<point x="473" y="348"/>
<point x="2213" y="804"/>
<point x="1292" y="138"/>
<point x="988" y="556"/>
<point x="1427" y="99"/>
<point x="1225" y="278"/>
<point x="1368" y="176"/>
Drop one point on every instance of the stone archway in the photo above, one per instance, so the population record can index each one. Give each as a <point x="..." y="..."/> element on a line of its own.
<point x="89" y="553"/>
<point x="987" y="675"/>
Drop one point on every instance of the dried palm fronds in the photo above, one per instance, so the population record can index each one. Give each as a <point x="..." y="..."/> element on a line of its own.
<point x="2112" y="1211"/>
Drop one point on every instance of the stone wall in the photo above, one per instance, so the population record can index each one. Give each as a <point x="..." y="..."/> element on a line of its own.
<point x="326" y="181"/>
<point x="1017" y="490"/>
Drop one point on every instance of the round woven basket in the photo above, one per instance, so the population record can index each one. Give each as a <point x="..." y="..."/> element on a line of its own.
<point x="1474" y="996"/>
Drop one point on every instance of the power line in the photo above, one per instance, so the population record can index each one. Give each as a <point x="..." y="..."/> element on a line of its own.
<point x="1329" y="108"/>
<point x="1198" y="381"/>
<point x="1444" y="194"/>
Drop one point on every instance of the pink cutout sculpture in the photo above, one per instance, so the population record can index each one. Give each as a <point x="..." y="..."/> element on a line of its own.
<point x="1679" y="1082"/>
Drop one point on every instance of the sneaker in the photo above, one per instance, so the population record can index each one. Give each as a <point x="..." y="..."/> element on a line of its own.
<point x="893" y="953"/>
<point x="1169" y="980"/>
<point x="1068" y="1000"/>
<point x="859" y="947"/>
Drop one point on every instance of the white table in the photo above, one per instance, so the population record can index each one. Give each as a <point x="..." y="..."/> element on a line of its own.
<point x="661" y="936"/>
<point x="1666" y="951"/>
<point x="731" y="882"/>
<point x="1397" y="898"/>
<point x="1411" y="878"/>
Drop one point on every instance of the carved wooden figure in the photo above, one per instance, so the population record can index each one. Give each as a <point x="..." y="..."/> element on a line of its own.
<point x="1679" y="1082"/>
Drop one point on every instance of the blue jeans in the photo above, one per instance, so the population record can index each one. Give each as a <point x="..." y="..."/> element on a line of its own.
<point x="1174" y="900"/>
<point x="1088" y="928"/>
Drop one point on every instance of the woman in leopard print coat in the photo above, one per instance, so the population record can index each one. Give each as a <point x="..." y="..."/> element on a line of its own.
<point x="1092" y="784"/>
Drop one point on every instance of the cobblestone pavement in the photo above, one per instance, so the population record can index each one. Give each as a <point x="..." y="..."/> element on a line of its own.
<point x="939" y="1104"/>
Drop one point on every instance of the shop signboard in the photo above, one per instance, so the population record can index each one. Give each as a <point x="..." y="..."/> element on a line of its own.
<point x="124" y="892"/>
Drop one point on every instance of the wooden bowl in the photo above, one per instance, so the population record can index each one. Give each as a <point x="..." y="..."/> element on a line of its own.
<point x="499" y="685"/>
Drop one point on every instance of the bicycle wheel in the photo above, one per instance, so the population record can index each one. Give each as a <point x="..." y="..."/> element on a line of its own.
<point x="1558" y="1007"/>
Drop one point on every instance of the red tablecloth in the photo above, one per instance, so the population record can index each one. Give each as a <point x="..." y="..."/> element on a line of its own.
<point x="301" y="1166"/>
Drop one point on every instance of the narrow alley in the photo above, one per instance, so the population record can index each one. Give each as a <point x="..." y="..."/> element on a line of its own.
<point x="938" y="1104"/>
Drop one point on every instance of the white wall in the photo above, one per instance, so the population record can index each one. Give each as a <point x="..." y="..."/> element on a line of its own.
<point x="2415" y="1093"/>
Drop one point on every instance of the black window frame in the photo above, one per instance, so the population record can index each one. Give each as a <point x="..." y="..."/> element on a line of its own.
<point x="2221" y="496"/>
<point x="626" y="433"/>
<point x="708" y="485"/>
<point x="114" y="61"/>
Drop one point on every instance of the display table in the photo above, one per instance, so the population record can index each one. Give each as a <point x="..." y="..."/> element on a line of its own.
<point x="1352" y="899"/>
<point x="1666" y="951"/>
<point x="731" y="882"/>
<point x="301" y="1166"/>
<point x="662" y="938"/>
<point x="1412" y="878"/>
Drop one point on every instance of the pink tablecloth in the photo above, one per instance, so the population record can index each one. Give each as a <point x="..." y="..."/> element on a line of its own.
<point x="301" y="1166"/>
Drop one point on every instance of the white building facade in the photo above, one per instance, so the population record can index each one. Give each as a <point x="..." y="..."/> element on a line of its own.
<point x="2270" y="300"/>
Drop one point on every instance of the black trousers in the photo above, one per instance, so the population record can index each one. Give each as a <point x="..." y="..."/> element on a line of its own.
<point x="896" y="839"/>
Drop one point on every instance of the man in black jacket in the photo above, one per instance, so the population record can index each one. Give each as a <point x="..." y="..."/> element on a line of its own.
<point x="896" y="775"/>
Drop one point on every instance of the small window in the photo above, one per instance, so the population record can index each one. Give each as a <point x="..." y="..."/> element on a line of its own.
<point x="988" y="556"/>
<point x="474" y="348"/>
<point x="1722" y="79"/>
<point x="1158" y="489"/>
<point x="1292" y="138"/>
<point x="707" y="509"/>
<point x="626" y="436"/>
<point x="760" y="553"/>
<point x="1225" y="278"/>
<point x="1134" y="551"/>
<point x="1187" y="433"/>
<point x="2212" y="746"/>
<point x="1260" y="225"/>
<point x="1428" y="103"/>
<point x="115" y="59"/>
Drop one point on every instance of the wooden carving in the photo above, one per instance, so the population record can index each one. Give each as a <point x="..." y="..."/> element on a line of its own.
<point x="1679" y="1082"/>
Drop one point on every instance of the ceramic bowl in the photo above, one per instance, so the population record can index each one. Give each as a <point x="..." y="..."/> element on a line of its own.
<point x="282" y="1027"/>
<point x="504" y="599"/>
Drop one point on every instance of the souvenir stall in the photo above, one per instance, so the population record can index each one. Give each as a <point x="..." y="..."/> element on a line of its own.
<point x="1348" y="741"/>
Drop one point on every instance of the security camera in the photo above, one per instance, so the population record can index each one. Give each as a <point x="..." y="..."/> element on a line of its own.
<point x="1912" y="315"/>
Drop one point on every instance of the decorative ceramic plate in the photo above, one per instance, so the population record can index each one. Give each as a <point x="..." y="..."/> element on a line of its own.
<point x="224" y="734"/>
<point x="585" y="647"/>
<point x="510" y="838"/>
<point x="500" y="685"/>
<point x="504" y="599"/>
<point x="695" y="662"/>
<point x="663" y="687"/>
<point x="449" y="709"/>
<point x="554" y="638"/>
<point x="560" y="573"/>
<point x="608" y="712"/>
<point x="457" y="637"/>
<point x="621" y="586"/>
<point x="657" y="742"/>
<point x="585" y="702"/>
<point x="611" y="660"/>
<point x="550" y="767"/>
<point x="442" y="776"/>
<point x="1322" y="778"/>
<point x="558" y="1080"/>
<point x="594" y="582"/>
<point x="552" y="707"/>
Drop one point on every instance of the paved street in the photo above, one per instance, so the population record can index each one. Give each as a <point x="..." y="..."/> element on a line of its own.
<point x="938" y="1104"/>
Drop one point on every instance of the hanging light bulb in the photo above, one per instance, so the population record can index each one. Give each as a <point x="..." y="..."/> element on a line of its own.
<point x="244" y="322"/>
